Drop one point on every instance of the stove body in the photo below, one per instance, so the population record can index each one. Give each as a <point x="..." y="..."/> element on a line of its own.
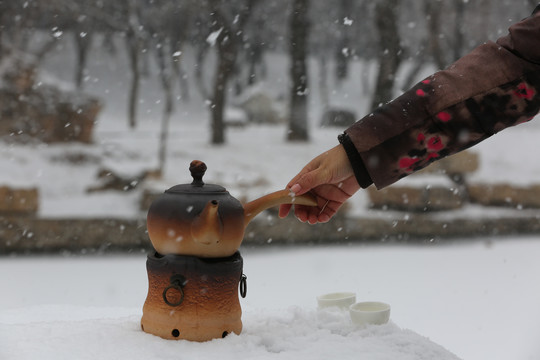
<point x="193" y="298"/>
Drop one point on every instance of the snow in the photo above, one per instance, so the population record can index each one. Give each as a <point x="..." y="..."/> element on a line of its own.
<point x="474" y="299"/>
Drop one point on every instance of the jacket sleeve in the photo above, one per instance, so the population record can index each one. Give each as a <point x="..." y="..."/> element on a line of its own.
<point x="495" y="86"/>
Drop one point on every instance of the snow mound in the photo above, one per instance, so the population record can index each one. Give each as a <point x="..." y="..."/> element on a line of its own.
<point x="75" y="332"/>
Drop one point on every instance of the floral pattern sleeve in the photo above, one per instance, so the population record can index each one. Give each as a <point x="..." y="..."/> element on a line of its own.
<point x="495" y="86"/>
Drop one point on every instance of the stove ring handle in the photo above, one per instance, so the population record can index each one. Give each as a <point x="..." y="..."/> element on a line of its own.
<point x="177" y="283"/>
<point x="243" y="286"/>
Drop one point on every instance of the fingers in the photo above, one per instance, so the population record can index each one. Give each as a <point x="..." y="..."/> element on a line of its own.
<point x="312" y="215"/>
<point x="330" y="167"/>
<point x="307" y="181"/>
<point x="284" y="210"/>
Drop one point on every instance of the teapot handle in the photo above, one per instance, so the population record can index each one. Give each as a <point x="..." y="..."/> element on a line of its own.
<point x="285" y="196"/>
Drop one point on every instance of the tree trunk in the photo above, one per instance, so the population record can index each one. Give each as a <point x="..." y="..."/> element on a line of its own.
<point x="389" y="54"/>
<point x="229" y="39"/>
<point x="133" y="52"/>
<point x="459" y="39"/>
<point x="299" y="27"/>
<point x="342" y="52"/>
<point x="433" y="9"/>
<point x="82" y="42"/>
<point x="226" y="59"/>
<point x="166" y="69"/>
<point x="323" y="83"/>
<point x="134" y="40"/>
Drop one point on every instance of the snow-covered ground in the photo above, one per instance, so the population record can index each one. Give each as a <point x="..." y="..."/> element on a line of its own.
<point x="475" y="299"/>
<point x="256" y="159"/>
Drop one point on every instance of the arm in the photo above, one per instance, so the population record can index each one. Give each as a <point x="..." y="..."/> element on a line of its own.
<point x="495" y="86"/>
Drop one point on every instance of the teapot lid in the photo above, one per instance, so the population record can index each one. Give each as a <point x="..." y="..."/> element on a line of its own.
<point x="197" y="169"/>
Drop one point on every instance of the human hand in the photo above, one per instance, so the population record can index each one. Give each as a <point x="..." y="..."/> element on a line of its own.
<point x="330" y="178"/>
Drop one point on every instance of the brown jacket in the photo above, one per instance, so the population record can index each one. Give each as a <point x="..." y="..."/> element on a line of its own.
<point x="495" y="86"/>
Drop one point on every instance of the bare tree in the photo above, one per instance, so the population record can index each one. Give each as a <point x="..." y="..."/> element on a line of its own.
<point x="135" y="40"/>
<point x="389" y="54"/>
<point x="299" y="30"/>
<point x="83" y="42"/>
<point x="343" y="50"/>
<point x="459" y="39"/>
<point x="168" y="24"/>
<point x="227" y="29"/>
<point x="433" y="11"/>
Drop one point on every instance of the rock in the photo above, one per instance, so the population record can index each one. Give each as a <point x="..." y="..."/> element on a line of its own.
<point x="464" y="162"/>
<point x="110" y="180"/>
<point x="416" y="199"/>
<point x="36" y="111"/>
<point x="19" y="201"/>
<point x="235" y="117"/>
<point x="505" y="195"/>
<point x="338" y="117"/>
<point x="259" y="108"/>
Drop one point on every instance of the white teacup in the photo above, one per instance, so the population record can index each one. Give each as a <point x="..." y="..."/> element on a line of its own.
<point x="340" y="299"/>
<point x="370" y="312"/>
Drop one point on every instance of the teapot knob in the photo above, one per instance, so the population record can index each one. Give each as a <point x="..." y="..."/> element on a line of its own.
<point x="197" y="169"/>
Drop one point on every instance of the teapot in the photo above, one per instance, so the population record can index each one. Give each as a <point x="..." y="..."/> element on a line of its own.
<point x="204" y="220"/>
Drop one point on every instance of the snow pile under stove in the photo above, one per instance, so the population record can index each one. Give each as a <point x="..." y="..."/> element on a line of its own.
<point x="70" y="332"/>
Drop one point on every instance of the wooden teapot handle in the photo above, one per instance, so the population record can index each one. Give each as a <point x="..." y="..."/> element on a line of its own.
<point x="285" y="196"/>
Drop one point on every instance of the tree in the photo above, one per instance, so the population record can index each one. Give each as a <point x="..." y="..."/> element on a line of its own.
<point x="168" y="25"/>
<point x="135" y="39"/>
<point x="433" y="11"/>
<point x="299" y="30"/>
<point x="227" y="28"/>
<point x="389" y="53"/>
<point x="342" y="50"/>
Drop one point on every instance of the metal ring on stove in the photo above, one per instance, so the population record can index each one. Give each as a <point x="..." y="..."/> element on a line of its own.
<point x="243" y="286"/>
<point x="177" y="282"/>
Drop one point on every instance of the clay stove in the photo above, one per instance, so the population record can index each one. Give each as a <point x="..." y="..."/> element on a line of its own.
<point x="195" y="273"/>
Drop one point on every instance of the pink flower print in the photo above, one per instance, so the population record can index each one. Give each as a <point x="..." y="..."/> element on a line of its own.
<point x="435" y="143"/>
<point x="524" y="92"/>
<point x="420" y="92"/>
<point x="407" y="163"/>
<point x="421" y="137"/>
<point x="433" y="155"/>
<point x="426" y="81"/>
<point x="444" y="116"/>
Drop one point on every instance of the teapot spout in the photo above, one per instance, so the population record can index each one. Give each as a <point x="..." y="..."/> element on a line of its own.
<point x="207" y="228"/>
<point x="254" y="207"/>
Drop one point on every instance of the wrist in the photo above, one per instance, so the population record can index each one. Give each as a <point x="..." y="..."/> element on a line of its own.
<point x="360" y="172"/>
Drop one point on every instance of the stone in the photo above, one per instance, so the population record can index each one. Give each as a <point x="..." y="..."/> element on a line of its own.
<point x="19" y="201"/>
<point x="259" y="108"/>
<point x="416" y="199"/>
<point x="505" y="195"/>
<point x="338" y="117"/>
<point x="44" y="112"/>
<point x="464" y="162"/>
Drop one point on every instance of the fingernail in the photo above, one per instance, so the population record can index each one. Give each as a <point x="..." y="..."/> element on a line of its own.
<point x="296" y="188"/>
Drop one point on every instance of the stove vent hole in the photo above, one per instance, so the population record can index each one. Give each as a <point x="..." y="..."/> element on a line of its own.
<point x="175" y="333"/>
<point x="225" y="333"/>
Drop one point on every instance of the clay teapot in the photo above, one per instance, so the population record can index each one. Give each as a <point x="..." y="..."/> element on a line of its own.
<point x="204" y="220"/>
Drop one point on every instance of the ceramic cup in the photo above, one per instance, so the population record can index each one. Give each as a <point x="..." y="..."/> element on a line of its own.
<point x="369" y="312"/>
<point x="339" y="299"/>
